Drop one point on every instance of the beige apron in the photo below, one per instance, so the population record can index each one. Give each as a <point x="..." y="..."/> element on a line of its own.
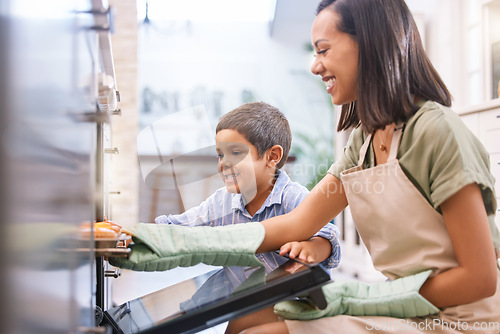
<point x="404" y="235"/>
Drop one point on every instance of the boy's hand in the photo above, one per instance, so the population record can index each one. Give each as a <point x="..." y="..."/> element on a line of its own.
<point x="314" y="250"/>
<point x="300" y="250"/>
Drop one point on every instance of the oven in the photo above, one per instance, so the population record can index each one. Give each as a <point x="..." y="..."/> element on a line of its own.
<point x="58" y="96"/>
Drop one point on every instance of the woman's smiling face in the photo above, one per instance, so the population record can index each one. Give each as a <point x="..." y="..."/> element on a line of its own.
<point x="336" y="57"/>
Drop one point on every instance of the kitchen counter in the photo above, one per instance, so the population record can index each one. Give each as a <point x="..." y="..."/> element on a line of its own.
<point x="489" y="105"/>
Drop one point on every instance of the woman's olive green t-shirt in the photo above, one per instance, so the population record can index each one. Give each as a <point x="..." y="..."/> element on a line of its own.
<point x="438" y="154"/>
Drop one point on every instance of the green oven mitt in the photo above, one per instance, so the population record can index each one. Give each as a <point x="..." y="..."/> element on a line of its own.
<point x="163" y="247"/>
<point x="399" y="298"/>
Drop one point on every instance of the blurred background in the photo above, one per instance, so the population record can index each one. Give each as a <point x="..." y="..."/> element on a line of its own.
<point x="96" y="95"/>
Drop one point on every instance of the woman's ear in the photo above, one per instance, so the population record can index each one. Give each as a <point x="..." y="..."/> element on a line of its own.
<point x="274" y="155"/>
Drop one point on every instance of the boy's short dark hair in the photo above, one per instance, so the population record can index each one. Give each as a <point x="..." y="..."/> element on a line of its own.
<point x="262" y="125"/>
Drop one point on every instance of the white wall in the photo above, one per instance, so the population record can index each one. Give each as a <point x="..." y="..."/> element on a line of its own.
<point x="213" y="63"/>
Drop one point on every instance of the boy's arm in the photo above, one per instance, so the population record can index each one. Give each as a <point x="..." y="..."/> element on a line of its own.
<point x="201" y="215"/>
<point x="330" y="233"/>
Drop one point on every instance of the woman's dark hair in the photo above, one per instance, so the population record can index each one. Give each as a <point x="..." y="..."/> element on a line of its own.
<point x="262" y="125"/>
<point x="393" y="66"/>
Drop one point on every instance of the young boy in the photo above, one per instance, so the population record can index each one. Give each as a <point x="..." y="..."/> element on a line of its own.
<point x="253" y="142"/>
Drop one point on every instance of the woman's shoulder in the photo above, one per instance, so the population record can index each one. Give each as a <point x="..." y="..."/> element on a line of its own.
<point x="442" y="154"/>
<point x="435" y="122"/>
<point x="431" y="114"/>
<point x="438" y="135"/>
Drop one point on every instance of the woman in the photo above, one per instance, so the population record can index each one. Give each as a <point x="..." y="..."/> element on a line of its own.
<point x="417" y="182"/>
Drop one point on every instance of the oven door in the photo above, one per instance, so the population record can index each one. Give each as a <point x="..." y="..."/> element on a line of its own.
<point x="218" y="296"/>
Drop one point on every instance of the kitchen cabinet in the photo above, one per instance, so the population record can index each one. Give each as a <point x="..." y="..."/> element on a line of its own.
<point x="491" y="36"/>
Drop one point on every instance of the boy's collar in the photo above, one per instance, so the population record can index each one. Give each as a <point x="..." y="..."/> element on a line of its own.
<point x="275" y="197"/>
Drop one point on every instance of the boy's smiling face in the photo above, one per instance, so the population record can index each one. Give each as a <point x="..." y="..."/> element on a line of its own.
<point x="240" y="167"/>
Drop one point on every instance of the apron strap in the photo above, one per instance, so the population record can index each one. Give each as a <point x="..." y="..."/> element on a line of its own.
<point x="364" y="149"/>
<point x="396" y="137"/>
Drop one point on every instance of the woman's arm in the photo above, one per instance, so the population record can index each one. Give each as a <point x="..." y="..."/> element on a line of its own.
<point x="323" y="203"/>
<point x="475" y="277"/>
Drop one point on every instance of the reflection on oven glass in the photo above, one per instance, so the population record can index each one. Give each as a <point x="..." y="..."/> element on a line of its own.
<point x="196" y="294"/>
